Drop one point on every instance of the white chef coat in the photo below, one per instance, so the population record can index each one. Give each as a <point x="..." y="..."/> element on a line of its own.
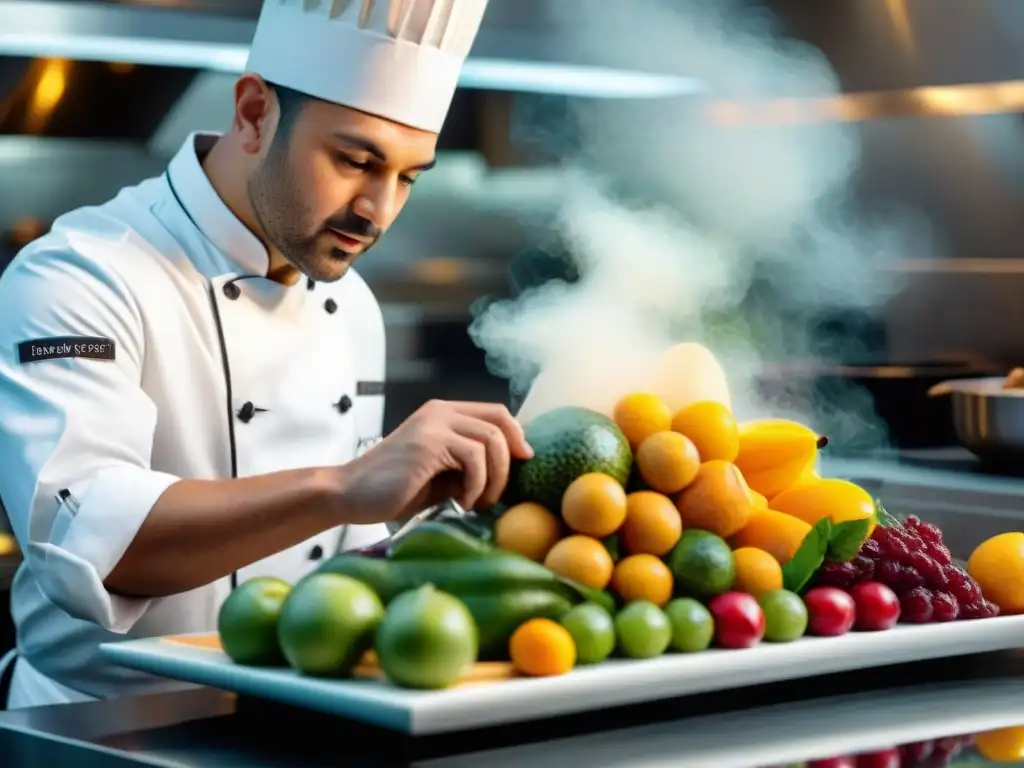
<point x="216" y="372"/>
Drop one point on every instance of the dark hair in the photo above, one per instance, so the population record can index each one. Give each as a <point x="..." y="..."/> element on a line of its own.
<point x="290" y="102"/>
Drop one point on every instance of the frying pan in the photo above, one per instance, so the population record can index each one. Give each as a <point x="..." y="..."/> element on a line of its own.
<point x="988" y="419"/>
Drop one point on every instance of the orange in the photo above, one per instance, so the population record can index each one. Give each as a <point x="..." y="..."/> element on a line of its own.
<point x="667" y="461"/>
<point x="594" y="504"/>
<point x="652" y="526"/>
<point x="640" y="415"/>
<point x="1005" y="745"/>
<point x="542" y="647"/>
<point x="759" y="501"/>
<point x="757" y="572"/>
<point x="527" y="529"/>
<point x="581" y="559"/>
<point x="838" y="500"/>
<point x="997" y="564"/>
<point x="712" y="428"/>
<point x="777" y="534"/>
<point x="643" y="577"/>
<point x="718" y="500"/>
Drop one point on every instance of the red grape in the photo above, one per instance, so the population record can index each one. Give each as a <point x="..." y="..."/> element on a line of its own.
<point x="840" y="575"/>
<point x="871" y="548"/>
<point x="883" y="758"/>
<point x="831" y="612"/>
<point x="916" y="606"/>
<point x="930" y="533"/>
<point x="916" y="753"/>
<point x="865" y="567"/>
<point x="846" y="761"/>
<point x="928" y="568"/>
<point x="739" y="620"/>
<point x="910" y="578"/>
<point x="974" y="610"/>
<point x="909" y="538"/>
<point x="888" y="572"/>
<point x="939" y="553"/>
<point x="878" y="607"/>
<point x="895" y="548"/>
<point x="912" y="560"/>
<point x="944" y="607"/>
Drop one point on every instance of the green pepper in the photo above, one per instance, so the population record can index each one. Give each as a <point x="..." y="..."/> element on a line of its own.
<point x="499" y="614"/>
<point x="377" y="574"/>
<point x="434" y="540"/>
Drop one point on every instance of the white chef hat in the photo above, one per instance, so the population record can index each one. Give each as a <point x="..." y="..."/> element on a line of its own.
<point x="397" y="59"/>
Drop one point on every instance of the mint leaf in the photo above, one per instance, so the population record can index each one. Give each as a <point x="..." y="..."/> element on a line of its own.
<point x="846" y="539"/>
<point x="808" y="558"/>
<point x="884" y="518"/>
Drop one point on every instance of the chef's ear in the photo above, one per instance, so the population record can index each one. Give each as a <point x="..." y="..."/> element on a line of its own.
<point x="255" y="111"/>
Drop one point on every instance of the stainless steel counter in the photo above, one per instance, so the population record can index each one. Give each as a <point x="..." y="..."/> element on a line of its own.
<point x="751" y="728"/>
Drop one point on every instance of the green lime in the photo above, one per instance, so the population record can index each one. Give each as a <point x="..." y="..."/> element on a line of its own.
<point x="785" y="616"/>
<point x="593" y="630"/>
<point x="702" y="564"/>
<point x="692" y="625"/>
<point x="327" y="623"/>
<point x="428" y="639"/>
<point x="643" y="630"/>
<point x="247" y="622"/>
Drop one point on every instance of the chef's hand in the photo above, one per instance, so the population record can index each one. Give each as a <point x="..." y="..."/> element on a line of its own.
<point x="444" y="450"/>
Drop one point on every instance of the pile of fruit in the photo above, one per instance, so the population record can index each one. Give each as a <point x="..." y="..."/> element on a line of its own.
<point x="913" y="560"/>
<point x="627" y="535"/>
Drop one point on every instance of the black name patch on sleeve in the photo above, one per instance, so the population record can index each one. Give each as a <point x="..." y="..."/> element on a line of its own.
<point x="53" y="348"/>
<point x="369" y="387"/>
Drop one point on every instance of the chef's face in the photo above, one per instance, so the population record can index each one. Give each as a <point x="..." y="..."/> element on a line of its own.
<point x="331" y="181"/>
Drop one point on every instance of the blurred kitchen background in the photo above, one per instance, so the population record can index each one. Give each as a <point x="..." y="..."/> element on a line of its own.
<point x="97" y="95"/>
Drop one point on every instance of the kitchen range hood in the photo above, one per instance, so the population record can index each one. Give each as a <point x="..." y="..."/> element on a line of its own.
<point x="890" y="45"/>
<point x="513" y="52"/>
<point x="529" y="45"/>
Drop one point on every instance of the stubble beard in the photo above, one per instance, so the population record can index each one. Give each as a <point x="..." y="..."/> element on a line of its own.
<point x="282" y="214"/>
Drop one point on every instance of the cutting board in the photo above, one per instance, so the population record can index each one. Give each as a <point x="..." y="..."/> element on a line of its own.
<point x="368" y="667"/>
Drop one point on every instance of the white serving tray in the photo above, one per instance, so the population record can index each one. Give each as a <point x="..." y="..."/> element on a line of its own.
<point x="612" y="683"/>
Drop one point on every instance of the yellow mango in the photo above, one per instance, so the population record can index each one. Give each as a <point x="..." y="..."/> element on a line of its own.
<point x="689" y="373"/>
<point x="775" y="454"/>
<point x="838" y="500"/>
<point x="757" y="500"/>
<point x="778" y="534"/>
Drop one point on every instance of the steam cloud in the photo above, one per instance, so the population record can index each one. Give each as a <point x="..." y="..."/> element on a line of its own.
<point x="688" y="229"/>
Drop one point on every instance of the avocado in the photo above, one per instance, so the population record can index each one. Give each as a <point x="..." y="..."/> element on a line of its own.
<point x="568" y="442"/>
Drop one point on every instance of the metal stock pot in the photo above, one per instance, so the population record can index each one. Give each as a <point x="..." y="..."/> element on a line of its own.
<point x="988" y="417"/>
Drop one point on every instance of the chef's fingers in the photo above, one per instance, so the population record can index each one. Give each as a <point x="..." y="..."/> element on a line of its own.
<point x="499" y="457"/>
<point x="471" y="458"/>
<point x="499" y="416"/>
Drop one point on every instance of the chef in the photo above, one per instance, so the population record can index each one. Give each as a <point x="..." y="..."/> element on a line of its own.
<point x="191" y="373"/>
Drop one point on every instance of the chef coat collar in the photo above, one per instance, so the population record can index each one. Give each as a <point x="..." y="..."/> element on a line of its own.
<point x="243" y="251"/>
